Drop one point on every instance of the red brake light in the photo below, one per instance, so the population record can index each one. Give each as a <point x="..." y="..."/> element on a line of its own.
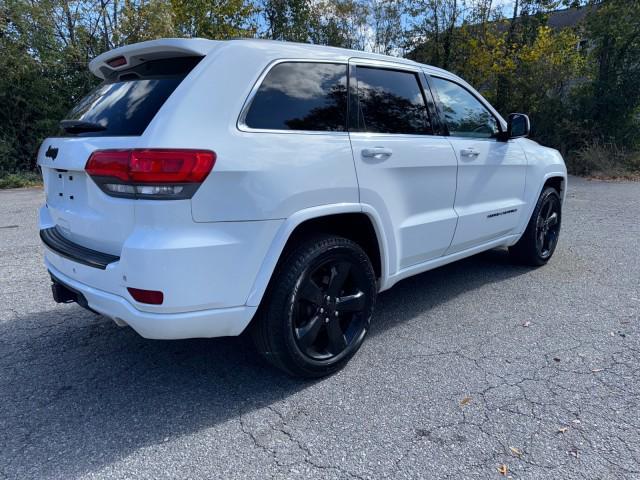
<point x="152" y="297"/>
<point x="150" y="173"/>
<point x="170" y="166"/>
<point x="109" y="163"/>
<point x="117" y="62"/>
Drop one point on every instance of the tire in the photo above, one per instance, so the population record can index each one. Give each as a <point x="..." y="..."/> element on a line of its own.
<point x="317" y="310"/>
<point x="539" y="240"/>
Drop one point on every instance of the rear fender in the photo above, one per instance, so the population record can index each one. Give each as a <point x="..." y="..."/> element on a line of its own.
<point x="282" y="236"/>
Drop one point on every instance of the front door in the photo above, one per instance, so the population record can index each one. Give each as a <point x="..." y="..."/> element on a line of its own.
<point x="405" y="172"/>
<point x="491" y="173"/>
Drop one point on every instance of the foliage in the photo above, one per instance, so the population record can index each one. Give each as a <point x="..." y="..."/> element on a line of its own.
<point x="580" y="85"/>
<point x="611" y="100"/>
<point x="605" y="160"/>
<point x="221" y="19"/>
<point x="20" y="180"/>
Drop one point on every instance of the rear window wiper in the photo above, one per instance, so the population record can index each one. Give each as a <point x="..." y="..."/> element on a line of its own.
<point x="79" y="126"/>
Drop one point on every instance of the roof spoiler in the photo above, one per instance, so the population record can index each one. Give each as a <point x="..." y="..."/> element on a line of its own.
<point x="131" y="55"/>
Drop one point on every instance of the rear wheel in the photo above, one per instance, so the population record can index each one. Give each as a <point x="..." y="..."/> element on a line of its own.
<point x="318" y="308"/>
<point x="539" y="241"/>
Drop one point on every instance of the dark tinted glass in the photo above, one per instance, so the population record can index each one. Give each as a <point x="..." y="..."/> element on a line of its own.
<point x="301" y="96"/>
<point x="391" y="102"/>
<point x="464" y="114"/>
<point x="127" y="102"/>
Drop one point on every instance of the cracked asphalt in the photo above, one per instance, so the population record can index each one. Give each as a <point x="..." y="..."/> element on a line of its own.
<point x="467" y="368"/>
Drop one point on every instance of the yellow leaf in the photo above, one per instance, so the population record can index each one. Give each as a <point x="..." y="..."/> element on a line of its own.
<point x="515" y="451"/>
<point x="503" y="469"/>
<point x="464" y="401"/>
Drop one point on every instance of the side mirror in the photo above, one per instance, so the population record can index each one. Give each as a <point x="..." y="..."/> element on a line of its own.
<point x="518" y="125"/>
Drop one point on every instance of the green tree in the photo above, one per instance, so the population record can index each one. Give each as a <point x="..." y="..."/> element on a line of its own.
<point x="216" y="19"/>
<point x="292" y="20"/>
<point x="611" y="99"/>
<point x="342" y="23"/>
<point x="143" y="20"/>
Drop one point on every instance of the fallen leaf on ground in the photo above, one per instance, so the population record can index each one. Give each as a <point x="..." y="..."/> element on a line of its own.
<point x="556" y="359"/>
<point x="515" y="451"/>
<point x="503" y="469"/>
<point x="464" y="401"/>
<point x="563" y="429"/>
<point x="596" y="370"/>
<point x="526" y="324"/>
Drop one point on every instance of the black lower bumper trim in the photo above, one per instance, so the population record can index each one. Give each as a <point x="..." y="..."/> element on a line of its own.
<point x="53" y="239"/>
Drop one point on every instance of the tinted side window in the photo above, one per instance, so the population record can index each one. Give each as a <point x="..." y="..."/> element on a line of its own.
<point x="301" y="96"/>
<point x="391" y="102"/>
<point x="464" y="114"/>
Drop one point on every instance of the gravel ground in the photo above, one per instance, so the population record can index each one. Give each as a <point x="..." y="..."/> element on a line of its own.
<point x="467" y="368"/>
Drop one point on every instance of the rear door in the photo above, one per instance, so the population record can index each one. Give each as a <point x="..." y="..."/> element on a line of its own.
<point x="491" y="173"/>
<point x="114" y="115"/>
<point x="405" y="171"/>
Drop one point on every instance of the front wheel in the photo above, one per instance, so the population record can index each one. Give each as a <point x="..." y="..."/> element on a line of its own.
<point x="318" y="307"/>
<point x="539" y="240"/>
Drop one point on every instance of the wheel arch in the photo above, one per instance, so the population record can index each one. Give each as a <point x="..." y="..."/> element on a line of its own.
<point x="556" y="181"/>
<point x="352" y="221"/>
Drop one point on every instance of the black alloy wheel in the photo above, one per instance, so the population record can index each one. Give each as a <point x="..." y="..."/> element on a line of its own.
<point x="317" y="309"/>
<point x="548" y="226"/>
<point x="540" y="238"/>
<point x="330" y="308"/>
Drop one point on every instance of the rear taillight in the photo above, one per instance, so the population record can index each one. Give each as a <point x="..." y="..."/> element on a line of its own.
<point x="164" y="174"/>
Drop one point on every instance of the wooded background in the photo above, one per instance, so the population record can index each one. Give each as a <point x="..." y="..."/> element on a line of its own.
<point x="578" y="81"/>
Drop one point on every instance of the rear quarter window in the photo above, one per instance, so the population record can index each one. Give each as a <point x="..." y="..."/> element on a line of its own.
<point x="307" y="96"/>
<point x="125" y="103"/>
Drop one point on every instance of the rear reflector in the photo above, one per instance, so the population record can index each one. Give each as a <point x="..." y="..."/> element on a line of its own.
<point x="152" y="297"/>
<point x="150" y="173"/>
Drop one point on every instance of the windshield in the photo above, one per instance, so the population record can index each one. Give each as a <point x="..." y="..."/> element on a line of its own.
<point x="126" y="103"/>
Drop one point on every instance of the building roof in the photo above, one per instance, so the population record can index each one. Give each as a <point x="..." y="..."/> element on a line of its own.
<point x="568" y="17"/>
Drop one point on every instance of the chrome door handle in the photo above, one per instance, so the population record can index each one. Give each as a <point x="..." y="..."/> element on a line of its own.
<point x="469" y="152"/>
<point x="376" y="153"/>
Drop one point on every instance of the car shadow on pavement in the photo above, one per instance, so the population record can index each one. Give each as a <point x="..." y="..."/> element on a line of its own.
<point x="78" y="393"/>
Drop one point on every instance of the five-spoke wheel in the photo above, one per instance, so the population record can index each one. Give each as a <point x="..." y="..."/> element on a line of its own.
<point x="329" y="308"/>
<point x="538" y="242"/>
<point x="318" y="308"/>
<point x="548" y="226"/>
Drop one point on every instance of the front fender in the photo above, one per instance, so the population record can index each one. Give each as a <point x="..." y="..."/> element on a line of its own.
<point x="542" y="164"/>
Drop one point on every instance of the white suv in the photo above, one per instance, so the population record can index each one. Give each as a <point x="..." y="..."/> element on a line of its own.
<point x="204" y="186"/>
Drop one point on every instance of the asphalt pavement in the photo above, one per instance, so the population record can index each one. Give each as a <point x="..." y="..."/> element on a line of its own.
<point x="480" y="369"/>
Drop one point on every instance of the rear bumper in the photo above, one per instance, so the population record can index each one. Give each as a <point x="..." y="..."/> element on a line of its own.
<point x="218" y="322"/>
<point x="197" y="266"/>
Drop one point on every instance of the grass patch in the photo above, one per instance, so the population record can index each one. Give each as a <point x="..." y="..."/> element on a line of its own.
<point x="20" y="180"/>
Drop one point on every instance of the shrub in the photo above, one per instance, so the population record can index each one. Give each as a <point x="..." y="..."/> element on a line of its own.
<point x="19" y="180"/>
<point x="602" y="159"/>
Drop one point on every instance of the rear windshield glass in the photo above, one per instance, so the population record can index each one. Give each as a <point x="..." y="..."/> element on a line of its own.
<point x="125" y="103"/>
